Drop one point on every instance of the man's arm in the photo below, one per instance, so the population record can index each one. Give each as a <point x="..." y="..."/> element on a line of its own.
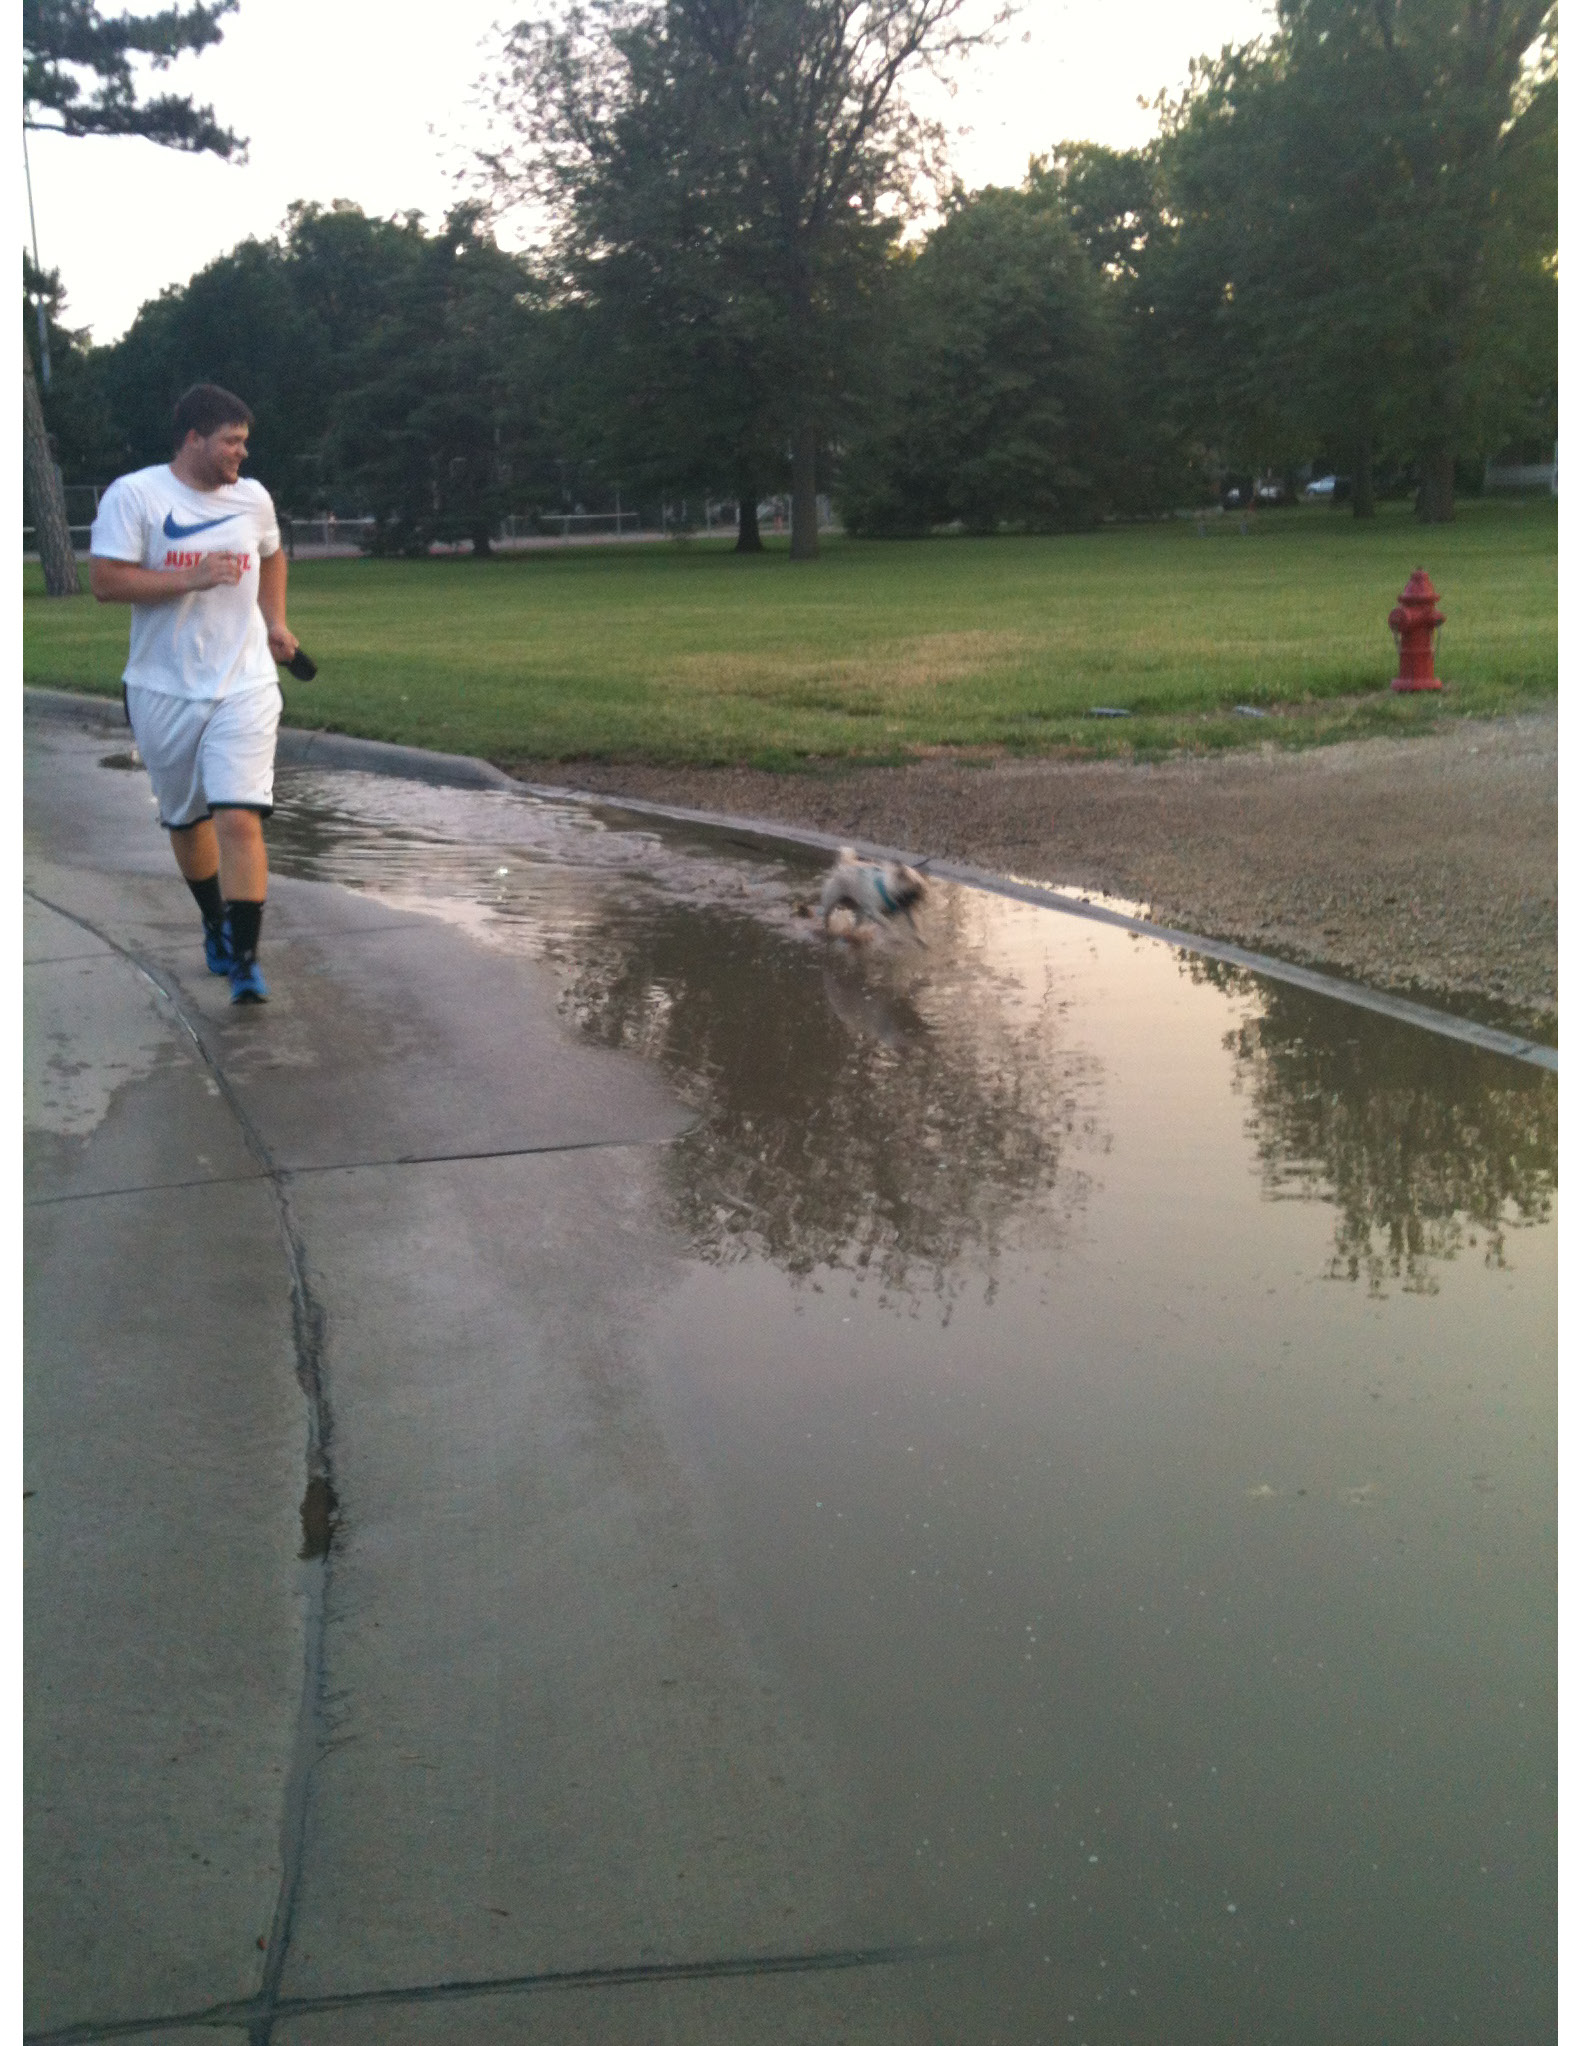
<point x="271" y="602"/>
<point x="127" y="582"/>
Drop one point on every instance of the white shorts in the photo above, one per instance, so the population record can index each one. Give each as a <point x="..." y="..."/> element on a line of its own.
<point x="206" y="753"/>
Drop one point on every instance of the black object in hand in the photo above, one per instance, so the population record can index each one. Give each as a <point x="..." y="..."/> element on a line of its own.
<point x="301" y="667"/>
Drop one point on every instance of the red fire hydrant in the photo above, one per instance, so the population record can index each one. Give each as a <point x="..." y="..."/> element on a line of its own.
<point x="1414" y="621"/>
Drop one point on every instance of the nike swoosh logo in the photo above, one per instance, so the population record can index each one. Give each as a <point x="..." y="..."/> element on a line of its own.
<point x="175" y="532"/>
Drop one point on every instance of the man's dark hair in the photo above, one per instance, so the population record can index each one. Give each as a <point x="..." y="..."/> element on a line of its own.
<point x="204" y="410"/>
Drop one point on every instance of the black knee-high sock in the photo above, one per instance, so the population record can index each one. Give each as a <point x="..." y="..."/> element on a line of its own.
<point x="211" y="903"/>
<point x="246" y="919"/>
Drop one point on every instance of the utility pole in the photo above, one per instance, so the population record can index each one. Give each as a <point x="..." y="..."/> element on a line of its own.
<point x="38" y="271"/>
<point x="44" y="487"/>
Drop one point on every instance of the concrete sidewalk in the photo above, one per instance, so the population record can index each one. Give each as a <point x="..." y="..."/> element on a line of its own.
<point x="375" y="1662"/>
<point x="1032" y="1518"/>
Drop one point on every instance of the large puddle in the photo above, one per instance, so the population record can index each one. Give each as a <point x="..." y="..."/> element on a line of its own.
<point x="1123" y="1390"/>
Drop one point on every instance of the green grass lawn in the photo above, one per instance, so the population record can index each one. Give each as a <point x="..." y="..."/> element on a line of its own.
<point x="884" y="650"/>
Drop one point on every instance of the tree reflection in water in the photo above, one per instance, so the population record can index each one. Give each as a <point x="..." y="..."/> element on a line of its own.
<point x="845" y="1123"/>
<point x="892" y="1115"/>
<point x="1423" y="1145"/>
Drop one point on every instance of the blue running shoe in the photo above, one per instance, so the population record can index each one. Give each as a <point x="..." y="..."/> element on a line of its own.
<point x="247" y="983"/>
<point x="217" y="947"/>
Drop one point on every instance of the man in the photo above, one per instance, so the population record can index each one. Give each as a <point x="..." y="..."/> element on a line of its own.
<point x="196" y="553"/>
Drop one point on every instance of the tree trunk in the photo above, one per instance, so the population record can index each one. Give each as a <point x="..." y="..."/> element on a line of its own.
<point x="482" y="543"/>
<point x="804" y="492"/>
<point x="45" y="494"/>
<point x="1363" y="500"/>
<point x="1435" y="500"/>
<point x="748" y="539"/>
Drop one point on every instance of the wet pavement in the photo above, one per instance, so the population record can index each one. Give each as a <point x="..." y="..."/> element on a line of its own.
<point x="1001" y="1489"/>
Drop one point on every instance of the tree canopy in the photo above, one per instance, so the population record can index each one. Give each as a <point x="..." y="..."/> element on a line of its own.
<point x="1358" y="233"/>
<point x="392" y="371"/>
<point x="998" y="405"/>
<point x="728" y="173"/>
<point x="1341" y="249"/>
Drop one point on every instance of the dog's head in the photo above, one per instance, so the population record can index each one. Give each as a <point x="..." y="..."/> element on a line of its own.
<point x="905" y="887"/>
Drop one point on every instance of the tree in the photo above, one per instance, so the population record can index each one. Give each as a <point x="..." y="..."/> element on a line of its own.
<point x="236" y="323"/>
<point x="78" y="418"/>
<point x="999" y="406"/>
<point x="749" y="158"/>
<point x="1110" y="199"/>
<point x="1249" y="278"/>
<point x="437" y="429"/>
<point x="390" y="368"/>
<point x="1113" y="202"/>
<point x="1345" y="195"/>
<point x="676" y="380"/>
<point x="65" y="42"/>
<point x="64" y="39"/>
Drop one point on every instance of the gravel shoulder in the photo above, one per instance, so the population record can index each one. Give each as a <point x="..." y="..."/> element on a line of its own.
<point x="1427" y="865"/>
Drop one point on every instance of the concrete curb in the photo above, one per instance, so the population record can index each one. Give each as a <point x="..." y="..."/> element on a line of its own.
<point x="376" y="756"/>
<point x="457" y="770"/>
<point x="64" y="703"/>
<point x="297" y="748"/>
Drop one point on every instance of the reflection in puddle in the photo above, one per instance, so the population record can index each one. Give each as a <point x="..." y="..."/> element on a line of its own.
<point x="1157" y="1604"/>
<point x="856" y="1115"/>
<point x="884" y="1112"/>
<point x="1426" y="1147"/>
<point x="889" y="1112"/>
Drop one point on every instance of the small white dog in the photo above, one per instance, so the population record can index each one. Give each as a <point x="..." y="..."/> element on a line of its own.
<point x="869" y="892"/>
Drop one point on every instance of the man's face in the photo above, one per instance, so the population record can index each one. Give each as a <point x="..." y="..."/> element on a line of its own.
<point x="218" y="456"/>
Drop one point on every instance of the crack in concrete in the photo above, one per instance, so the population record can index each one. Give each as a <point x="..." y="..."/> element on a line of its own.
<point x="656" y="1974"/>
<point x="110" y="1193"/>
<point x="516" y="1151"/>
<point x="117" y="1193"/>
<point x="282" y="933"/>
<point x="318" y="1506"/>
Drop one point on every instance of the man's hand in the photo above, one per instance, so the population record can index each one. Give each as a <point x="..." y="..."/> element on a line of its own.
<point x="283" y="642"/>
<point x="214" y="569"/>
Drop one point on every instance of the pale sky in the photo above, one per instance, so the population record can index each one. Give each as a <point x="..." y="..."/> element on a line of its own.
<point x="349" y="99"/>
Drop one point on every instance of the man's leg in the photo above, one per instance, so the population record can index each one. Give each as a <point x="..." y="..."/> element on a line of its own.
<point x="242" y="861"/>
<point x="197" y="855"/>
<point x="244" y="880"/>
<point x="168" y="731"/>
<point x="238" y="780"/>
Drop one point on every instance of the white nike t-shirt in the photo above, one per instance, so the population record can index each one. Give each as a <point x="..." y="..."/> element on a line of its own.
<point x="209" y="643"/>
